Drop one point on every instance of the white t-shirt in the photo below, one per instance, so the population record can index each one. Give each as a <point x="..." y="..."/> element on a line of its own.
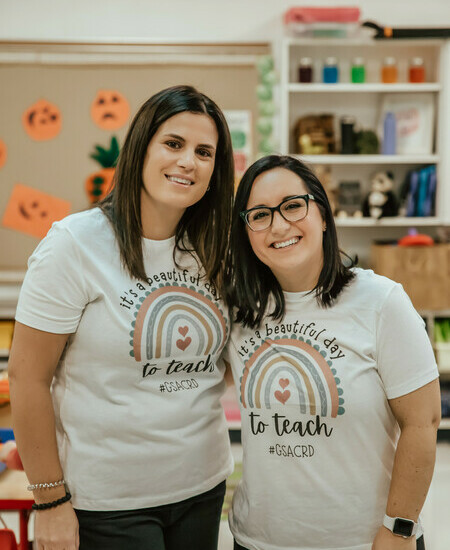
<point x="136" y="392"/>
<point x="318" y="434"/>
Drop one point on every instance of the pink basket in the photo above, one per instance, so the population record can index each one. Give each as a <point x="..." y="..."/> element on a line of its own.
<point x="343" y="14"/>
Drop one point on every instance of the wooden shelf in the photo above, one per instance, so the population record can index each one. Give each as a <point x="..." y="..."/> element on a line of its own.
<point x="364" y="88"/>
<point x="369" y="159"/>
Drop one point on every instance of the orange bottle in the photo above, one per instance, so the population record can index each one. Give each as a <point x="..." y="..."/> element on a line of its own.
<point x="389" y="73"/>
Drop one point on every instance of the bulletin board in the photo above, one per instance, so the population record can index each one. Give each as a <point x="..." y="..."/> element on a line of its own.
<point x="59" y="166"/>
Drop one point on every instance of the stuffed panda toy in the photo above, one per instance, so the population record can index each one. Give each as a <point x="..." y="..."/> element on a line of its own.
<point x="381" y="201"/>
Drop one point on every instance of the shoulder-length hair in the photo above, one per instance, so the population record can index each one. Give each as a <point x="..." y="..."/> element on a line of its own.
<point x="206" y="223"/>
<point x="249" y="282"/>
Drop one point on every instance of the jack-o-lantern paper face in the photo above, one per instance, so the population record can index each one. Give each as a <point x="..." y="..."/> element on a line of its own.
<point x="42" y="121"/>
<point x="3" y="153"/>
<point x="110" y="110"/>
<point x="33" y="212"/>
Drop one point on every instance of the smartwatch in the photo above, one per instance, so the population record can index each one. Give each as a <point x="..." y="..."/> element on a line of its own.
<point x="401" y="526"/>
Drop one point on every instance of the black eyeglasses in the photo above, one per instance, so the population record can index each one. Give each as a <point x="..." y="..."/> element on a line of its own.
<point x="292" y="209"/>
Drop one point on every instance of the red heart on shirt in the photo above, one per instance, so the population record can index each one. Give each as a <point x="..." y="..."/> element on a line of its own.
<point x="183" y="344"/>
<point x="183" y="331"/>
<point x="284" y="382"/>
<point x="282" y="397"/>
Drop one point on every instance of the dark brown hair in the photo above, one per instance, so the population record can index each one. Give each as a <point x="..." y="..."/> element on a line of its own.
<point x="206" y="223"/>
<point x="249" y="282"/>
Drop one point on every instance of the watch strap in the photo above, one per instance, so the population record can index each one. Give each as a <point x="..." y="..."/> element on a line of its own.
<point x="390" y="522"/>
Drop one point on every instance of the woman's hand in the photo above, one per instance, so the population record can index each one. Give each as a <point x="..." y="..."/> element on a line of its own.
<point x="386" y="540"/>
<point x="56" y="528"/>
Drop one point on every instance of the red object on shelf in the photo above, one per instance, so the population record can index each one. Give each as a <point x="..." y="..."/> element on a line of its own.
<point x="417" y="70"/>
<point x="417" y="239"/>
<point x="305" y="14"/>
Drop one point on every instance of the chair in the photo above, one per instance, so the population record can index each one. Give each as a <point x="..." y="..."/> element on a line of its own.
<point x="7" y="540"/>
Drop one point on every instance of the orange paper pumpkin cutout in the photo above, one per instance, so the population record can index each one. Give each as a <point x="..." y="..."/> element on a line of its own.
<point x="3" y="153"/>
<point x="33" y="212"/>
<point x="110" y="110"/>
<point x="42" y="121"/>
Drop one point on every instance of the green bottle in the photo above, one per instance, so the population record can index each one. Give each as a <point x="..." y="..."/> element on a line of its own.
<point x="358" y="71"/>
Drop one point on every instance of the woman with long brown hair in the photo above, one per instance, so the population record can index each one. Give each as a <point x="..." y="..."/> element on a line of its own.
<point x="114" y="382"/>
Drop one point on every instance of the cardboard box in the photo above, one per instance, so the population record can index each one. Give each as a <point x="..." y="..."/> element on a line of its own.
<point x="424" y="272"/>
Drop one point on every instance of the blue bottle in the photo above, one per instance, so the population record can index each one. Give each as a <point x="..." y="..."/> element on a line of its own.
<point x="389" y="134"/>
<point x="330" y="74"/>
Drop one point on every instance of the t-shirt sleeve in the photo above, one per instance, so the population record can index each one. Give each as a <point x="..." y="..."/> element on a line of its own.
<point x="53" y="294"/>
<point x="405" y="357"/>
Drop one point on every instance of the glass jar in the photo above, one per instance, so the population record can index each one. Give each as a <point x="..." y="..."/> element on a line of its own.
<point x="330" y="71"/>
<point x="416" y="70"/>
<point x="305" y="70"/>
<point x="389" y="72"/>
<point x="358" y="75"/>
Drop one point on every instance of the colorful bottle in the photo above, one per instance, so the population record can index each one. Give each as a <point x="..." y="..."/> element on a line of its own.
<point x="389" y="73"/>
<point x="416" y="70"/>
<point x="330" y="71"/>
<point x="358" y="71"/>
<point x="305" y="70"/>
<point x="389" y="134"/>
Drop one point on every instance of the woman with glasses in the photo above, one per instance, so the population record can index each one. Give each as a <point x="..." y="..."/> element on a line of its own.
<point x="335" y="375"/>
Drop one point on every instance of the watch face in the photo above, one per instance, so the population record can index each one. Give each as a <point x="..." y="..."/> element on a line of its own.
<point x="403" y="527"/>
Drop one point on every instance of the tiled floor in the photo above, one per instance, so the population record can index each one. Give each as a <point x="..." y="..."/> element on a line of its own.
<point x="436" y="512"/>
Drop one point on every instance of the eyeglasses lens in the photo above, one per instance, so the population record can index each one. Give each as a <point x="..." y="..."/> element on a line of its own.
<point x="292" y="210"/>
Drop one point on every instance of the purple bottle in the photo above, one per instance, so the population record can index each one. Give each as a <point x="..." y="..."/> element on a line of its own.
<point x="389" y="134"/>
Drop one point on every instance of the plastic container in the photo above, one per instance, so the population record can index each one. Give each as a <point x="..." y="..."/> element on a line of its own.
<point x="389" y="134"/>
<point x="416" y="70"/>
<point x="389" y="72"/>
<point x="323" y="21"/>
<point x="358" y="72"/>
<point x="330" y="74"/>
<point x="305" y="70"/>
<point x="347" y="135"/>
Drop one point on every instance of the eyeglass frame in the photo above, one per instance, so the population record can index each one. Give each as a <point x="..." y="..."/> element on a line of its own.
<point x="244" y="214"/>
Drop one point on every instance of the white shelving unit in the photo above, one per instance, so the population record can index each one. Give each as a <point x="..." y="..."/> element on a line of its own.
<point x="389" y="222"/>
<point x="363" y="102"/>
<point x="370" y="159"/>
<point x="363" y="88"/>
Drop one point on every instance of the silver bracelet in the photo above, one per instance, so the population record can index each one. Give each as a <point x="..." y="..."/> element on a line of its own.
<point x="46" y="485"/>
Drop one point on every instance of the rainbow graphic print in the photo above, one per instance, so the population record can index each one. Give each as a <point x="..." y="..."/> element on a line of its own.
<point x="291" y="371"/>
<point x="177" y="321"/>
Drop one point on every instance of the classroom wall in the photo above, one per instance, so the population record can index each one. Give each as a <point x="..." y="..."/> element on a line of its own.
<point x="188" y="20"/>
<point x="60" y="166"/>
